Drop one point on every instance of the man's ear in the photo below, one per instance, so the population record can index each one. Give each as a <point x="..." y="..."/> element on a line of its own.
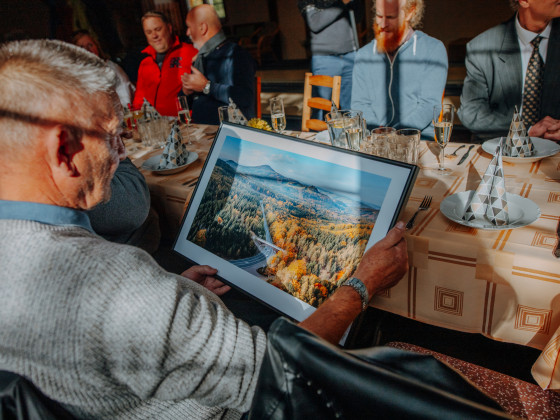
<point x="410" y="14"/>
<point x="203" y="28"/>
<point x="63" y="144"/>
<point x="524" y="3"/>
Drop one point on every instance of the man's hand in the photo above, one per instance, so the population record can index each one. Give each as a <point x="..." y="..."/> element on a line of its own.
<point x="384" y="264"/>
<point x="193" y="82"/>
<point x="202" y="274"/>
<point x="547" y="128"/>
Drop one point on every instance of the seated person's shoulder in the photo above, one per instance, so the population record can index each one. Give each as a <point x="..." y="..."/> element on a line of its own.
<point x="430" y="41"/>
<point x="489" y="35"/>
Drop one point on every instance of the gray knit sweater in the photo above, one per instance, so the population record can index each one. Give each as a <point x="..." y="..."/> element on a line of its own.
<point x="101" y="328"/>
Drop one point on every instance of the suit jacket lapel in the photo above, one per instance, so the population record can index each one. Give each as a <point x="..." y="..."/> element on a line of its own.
<point x="550" y="101"/>
<point x="509" y="66"/>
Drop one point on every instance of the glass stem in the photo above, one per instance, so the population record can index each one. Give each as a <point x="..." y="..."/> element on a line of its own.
<point x="441" y="159"/>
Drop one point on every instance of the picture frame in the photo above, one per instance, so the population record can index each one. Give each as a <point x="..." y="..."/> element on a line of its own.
<point x="322" y="206"/>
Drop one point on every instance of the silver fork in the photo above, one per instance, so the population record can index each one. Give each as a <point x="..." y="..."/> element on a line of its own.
<point x="424" y="205"/>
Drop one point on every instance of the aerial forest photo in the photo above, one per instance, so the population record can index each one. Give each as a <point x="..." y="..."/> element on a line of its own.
<point x="299" y="223"/>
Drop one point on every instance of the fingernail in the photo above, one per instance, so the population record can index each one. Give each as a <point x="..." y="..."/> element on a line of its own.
<point x="400" y="225"/>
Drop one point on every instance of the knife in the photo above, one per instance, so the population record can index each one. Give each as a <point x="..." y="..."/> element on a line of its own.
<point x="556" y="250"/>
<point x="466" y="155"/>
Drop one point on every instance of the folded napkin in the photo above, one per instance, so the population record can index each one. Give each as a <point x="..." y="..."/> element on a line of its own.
<point x="175" y="153"/>
<point x="489" y="200"/>
<point x="149" y="112"/>
<point x="235" y="115"/>
<point x="518" y="143"/>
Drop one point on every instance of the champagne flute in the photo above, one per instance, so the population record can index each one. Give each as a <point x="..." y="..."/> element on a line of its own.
<point x="443" y="126"/>
<point x="277" y="114"/>
<point x="184" y="114"/>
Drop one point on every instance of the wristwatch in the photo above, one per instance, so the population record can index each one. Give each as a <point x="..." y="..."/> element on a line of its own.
<point x="206" y="89"/>
<point x="359" y="287"/>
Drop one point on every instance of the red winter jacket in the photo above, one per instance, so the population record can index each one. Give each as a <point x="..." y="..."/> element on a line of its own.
<point x="160" y="87"/>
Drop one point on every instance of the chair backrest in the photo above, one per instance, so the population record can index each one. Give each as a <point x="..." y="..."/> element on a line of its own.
<point x="304" y="377"/>
<point x="308" y="123"/>
<point x="258" y="107"/>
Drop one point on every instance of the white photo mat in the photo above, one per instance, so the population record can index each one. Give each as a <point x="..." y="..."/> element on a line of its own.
<point x="335" y="175"/>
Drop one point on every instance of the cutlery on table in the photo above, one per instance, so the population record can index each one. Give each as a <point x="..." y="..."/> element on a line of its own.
<point x="454" y="154"/>
<point x="424" y="205"/>
<point x="556" y="250"/>
<point x="466" y="155"/>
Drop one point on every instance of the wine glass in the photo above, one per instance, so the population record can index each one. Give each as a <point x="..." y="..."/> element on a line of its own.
<point x="443" y="125"/>
<point x="184" y="114"/>
<point x="277" y="114"/>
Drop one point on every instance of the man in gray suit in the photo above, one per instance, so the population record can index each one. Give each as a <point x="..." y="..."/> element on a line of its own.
<point x="496" y="65"/>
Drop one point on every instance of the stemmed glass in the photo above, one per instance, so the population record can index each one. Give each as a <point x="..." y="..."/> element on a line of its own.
<point x="443" y="125"/>
<point x="277" y="114"/>
<point x="184" y="114"/>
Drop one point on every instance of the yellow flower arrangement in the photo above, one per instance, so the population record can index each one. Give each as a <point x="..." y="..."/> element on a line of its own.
<point x="260" y="124"/>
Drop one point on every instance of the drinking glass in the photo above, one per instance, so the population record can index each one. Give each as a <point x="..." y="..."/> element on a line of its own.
<point x="377" y="142"/>
<point x="184" y="114"/>
<point x="223" y="113"/>
<point x="336" y="126"/>
<point x="277" y="114"/>
<point x="357" y="131"/>
<point x="401" y="148"/>
<point x="413" y="136"/>
<point x="443" y="125"/>
<point x="353" y="130"/>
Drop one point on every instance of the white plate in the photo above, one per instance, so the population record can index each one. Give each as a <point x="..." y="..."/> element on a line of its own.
<point x="522" y="211"/>
<point x="151" y="164"/>
<point x="543" y="148"/>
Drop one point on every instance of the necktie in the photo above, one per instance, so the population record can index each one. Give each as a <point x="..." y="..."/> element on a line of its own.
<point x="533" y="85"/>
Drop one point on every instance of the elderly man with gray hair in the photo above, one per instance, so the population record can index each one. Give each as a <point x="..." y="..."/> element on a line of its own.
<point x="516" y="63"/>
<point x="97" y="326"/>
<point x="401" y="74"/>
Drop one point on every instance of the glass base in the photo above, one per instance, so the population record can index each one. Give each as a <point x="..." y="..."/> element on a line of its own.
<point x="442" y="171"/>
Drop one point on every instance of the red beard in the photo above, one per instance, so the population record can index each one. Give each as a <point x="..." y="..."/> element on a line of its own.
<point x="389" y="41"/>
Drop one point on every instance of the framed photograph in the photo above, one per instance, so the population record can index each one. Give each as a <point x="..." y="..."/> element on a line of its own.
<point x="287" y="220"/>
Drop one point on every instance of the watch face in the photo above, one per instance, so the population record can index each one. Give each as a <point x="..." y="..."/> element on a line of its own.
<point x="206" y="89"/>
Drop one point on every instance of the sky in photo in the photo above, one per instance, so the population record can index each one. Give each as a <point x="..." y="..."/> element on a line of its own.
<point x="368" y="188"/>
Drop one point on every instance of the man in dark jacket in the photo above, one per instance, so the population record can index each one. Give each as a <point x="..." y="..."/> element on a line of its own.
<point x="221" y="70"/>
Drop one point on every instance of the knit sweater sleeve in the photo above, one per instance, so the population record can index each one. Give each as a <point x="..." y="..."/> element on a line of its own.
<point x="166" y="337"/>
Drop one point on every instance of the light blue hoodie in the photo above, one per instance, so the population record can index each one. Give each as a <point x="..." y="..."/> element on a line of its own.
<point x="401" y="94"/>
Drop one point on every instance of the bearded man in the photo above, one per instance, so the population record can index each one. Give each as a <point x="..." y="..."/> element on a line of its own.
<point x="401" y="74"/>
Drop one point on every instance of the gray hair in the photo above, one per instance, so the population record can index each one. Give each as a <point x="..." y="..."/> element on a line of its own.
<point x="47" y="82"/>
<point x="416" y="20"/>
<point x="514" y="4"/>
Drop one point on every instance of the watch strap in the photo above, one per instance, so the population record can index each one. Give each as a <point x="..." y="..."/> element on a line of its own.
<point x="206" y="89"/>
<point x="359" y="287"/>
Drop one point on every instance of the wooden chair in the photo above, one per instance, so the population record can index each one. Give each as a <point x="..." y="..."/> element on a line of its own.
<point x="308" y="123"/>
<point x="258" y="89"/>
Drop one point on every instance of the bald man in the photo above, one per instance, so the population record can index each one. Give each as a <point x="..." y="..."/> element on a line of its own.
<point x="222" y="69"/>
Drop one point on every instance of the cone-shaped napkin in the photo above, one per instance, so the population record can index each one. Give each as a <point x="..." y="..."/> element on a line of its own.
<point x="518" y="143"/>
<point x="150" y="113"/>
<point x="235" y="115"/>
<point x="175" y="153"/>
<point x="489" y="200"/>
